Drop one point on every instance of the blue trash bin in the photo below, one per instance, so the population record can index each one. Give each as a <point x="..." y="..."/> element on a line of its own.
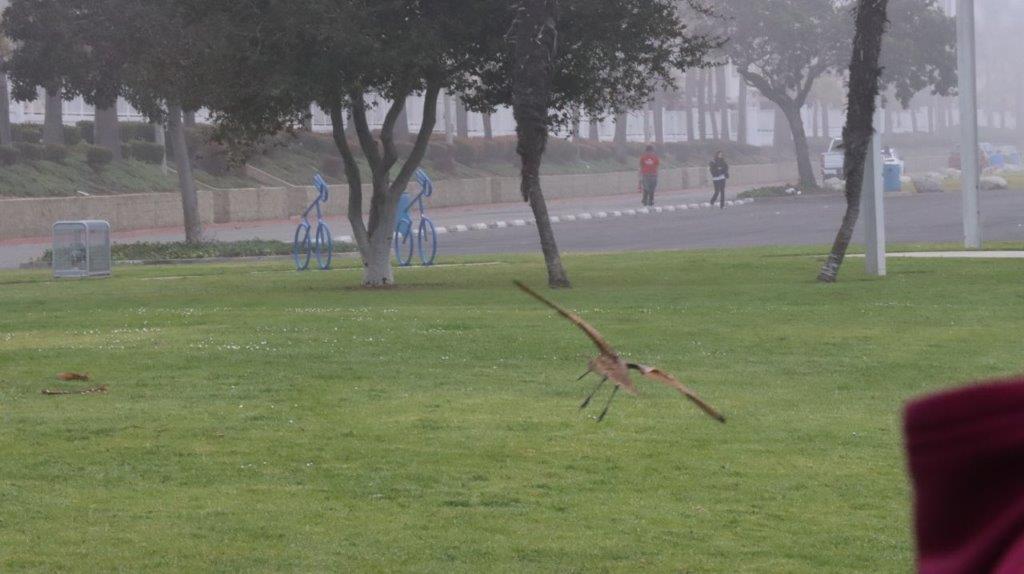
<point x="891" y="174"/>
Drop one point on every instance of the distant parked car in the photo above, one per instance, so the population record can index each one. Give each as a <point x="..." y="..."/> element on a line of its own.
<point x="832" y="160"/>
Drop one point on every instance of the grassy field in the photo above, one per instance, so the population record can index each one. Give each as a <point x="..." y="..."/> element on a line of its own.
<point x="261" y="419"/>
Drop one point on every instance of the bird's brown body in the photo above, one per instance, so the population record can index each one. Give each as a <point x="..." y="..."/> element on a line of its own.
<point x="611" y="366"/>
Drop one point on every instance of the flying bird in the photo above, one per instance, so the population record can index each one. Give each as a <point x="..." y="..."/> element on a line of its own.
<point x="610" y="365"/>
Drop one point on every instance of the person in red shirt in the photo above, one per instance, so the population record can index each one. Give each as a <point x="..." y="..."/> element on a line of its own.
<point x="649" y="163"/>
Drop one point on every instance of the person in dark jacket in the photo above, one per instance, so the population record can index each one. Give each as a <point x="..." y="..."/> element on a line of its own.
<point x="719" y="175"/>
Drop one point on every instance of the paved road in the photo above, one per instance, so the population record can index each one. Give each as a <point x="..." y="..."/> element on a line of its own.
<point x="805" y="220"/>
<point x="779" y="221"/>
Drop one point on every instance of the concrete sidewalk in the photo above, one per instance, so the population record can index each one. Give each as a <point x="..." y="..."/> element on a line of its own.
<point x="18" y="251"/>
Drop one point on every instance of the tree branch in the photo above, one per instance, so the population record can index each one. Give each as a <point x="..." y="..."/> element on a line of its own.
<point x="387" y="133"/>
<point x="419" y="150"/>
<point x="352" y="175"/>
<point x="366" y="141"/>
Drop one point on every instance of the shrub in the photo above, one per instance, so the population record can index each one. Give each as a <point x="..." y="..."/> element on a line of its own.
<point x="561" y="151"/>
<point x="55" y="153"/>
<point x="499" y="149"/>
<point x="87" y="130"/>
<point x="316" y="143"/>
<point x="214" y="159"/>
<point x="98" y="157"/>
<point x="30" y="151"/>
<point x="466" y="151"/>
<point x="9" y="155"/>
<point x="442" y="156"/>
<point x="72" y="135"/>
<point x="137" y="131"/>
<point x="147" y="152"/>
<point x="332" y="166"/>
<point x="27" y="133"/>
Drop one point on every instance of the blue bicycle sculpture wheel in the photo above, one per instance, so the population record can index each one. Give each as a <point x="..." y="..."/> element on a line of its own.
<point x="301" y="247"/>
<point x="324" y="246"/>
<point x="404" y="243"/>
<point x="427" y="241"/>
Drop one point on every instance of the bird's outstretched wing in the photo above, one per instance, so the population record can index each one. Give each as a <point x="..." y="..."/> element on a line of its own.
<point x="670" y="381"/>
<point x="591" y="332"/>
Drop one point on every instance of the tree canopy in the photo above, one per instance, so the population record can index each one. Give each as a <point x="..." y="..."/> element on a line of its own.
<point x="781" y="47"/>
<point x="277" y="57"/>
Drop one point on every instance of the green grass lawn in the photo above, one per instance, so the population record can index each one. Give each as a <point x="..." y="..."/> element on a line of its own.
<point x="261" y="419"/>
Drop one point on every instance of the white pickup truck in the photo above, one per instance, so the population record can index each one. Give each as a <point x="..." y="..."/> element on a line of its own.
<point x="832" y="160"/>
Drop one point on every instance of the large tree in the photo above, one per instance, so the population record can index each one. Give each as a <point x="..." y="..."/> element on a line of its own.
<point x="150" y="52"/>
<point x="342" y="56"/>
<point x="782" y="47"/>
<point x="865" y="73"/>
<point x="534" y="40"/>
<point x="65" y="48"/>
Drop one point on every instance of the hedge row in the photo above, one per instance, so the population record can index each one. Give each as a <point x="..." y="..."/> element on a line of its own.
<point x="475" y="151"/>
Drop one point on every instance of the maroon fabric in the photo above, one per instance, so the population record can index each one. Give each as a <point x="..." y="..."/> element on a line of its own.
<point x="966" y="451"/>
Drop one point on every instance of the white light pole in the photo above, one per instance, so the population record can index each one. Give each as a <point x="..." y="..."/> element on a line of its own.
<point x="968" y="121"/>
<point x="872" y="203"/>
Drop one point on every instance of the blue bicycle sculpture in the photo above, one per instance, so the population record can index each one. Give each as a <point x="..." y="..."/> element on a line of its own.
<point x="426" y="236"/>
<point x="321" y="244"/>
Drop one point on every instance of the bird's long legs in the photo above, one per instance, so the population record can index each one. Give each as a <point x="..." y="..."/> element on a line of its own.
<point x="605" y="411"/>
<point x="592" y="393"/>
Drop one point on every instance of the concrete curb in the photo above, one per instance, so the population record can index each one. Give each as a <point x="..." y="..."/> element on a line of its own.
<point x="578" y="217"/>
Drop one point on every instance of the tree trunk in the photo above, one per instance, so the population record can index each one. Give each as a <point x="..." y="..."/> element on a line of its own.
<point x="621" y="123"/>
<point x="402" y="126"/>
<point x="723" y="102"/>
<point x="5" y="111"/>
<point x="826" y="123"/>
<point x="189" y="119"/>
<point x="488" y="127"/>
<point x="702" y="120"/>
<point x="913" y="119"/>
<point x="53" y="122"/>
<point x="107" y="130"/>
<point x="741" y="128"/>
<point x="814" y="119"/>
<point x="930" y="110"/>
<point x="535" y="42"/>
<point x="576" y="127"/>
<point x="449" y="124"/>
<point x="888" y="119"/>
<point x="803" y="154"/>
<point x="461" y="119"/>
<point x="864" y="74"/>
<point x="658" y="111"/>
<point x="781" y="136"/>
<point x="1018" y="116"/>
<point x="186" y="181"/>
<point x="594" y="131"/>
<point x="375" y="235"/>
<point x="712" y="106"/>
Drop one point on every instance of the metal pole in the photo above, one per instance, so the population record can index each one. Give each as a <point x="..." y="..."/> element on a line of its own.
<point x="872" y="204"/>
<point x="968" y="122"/>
